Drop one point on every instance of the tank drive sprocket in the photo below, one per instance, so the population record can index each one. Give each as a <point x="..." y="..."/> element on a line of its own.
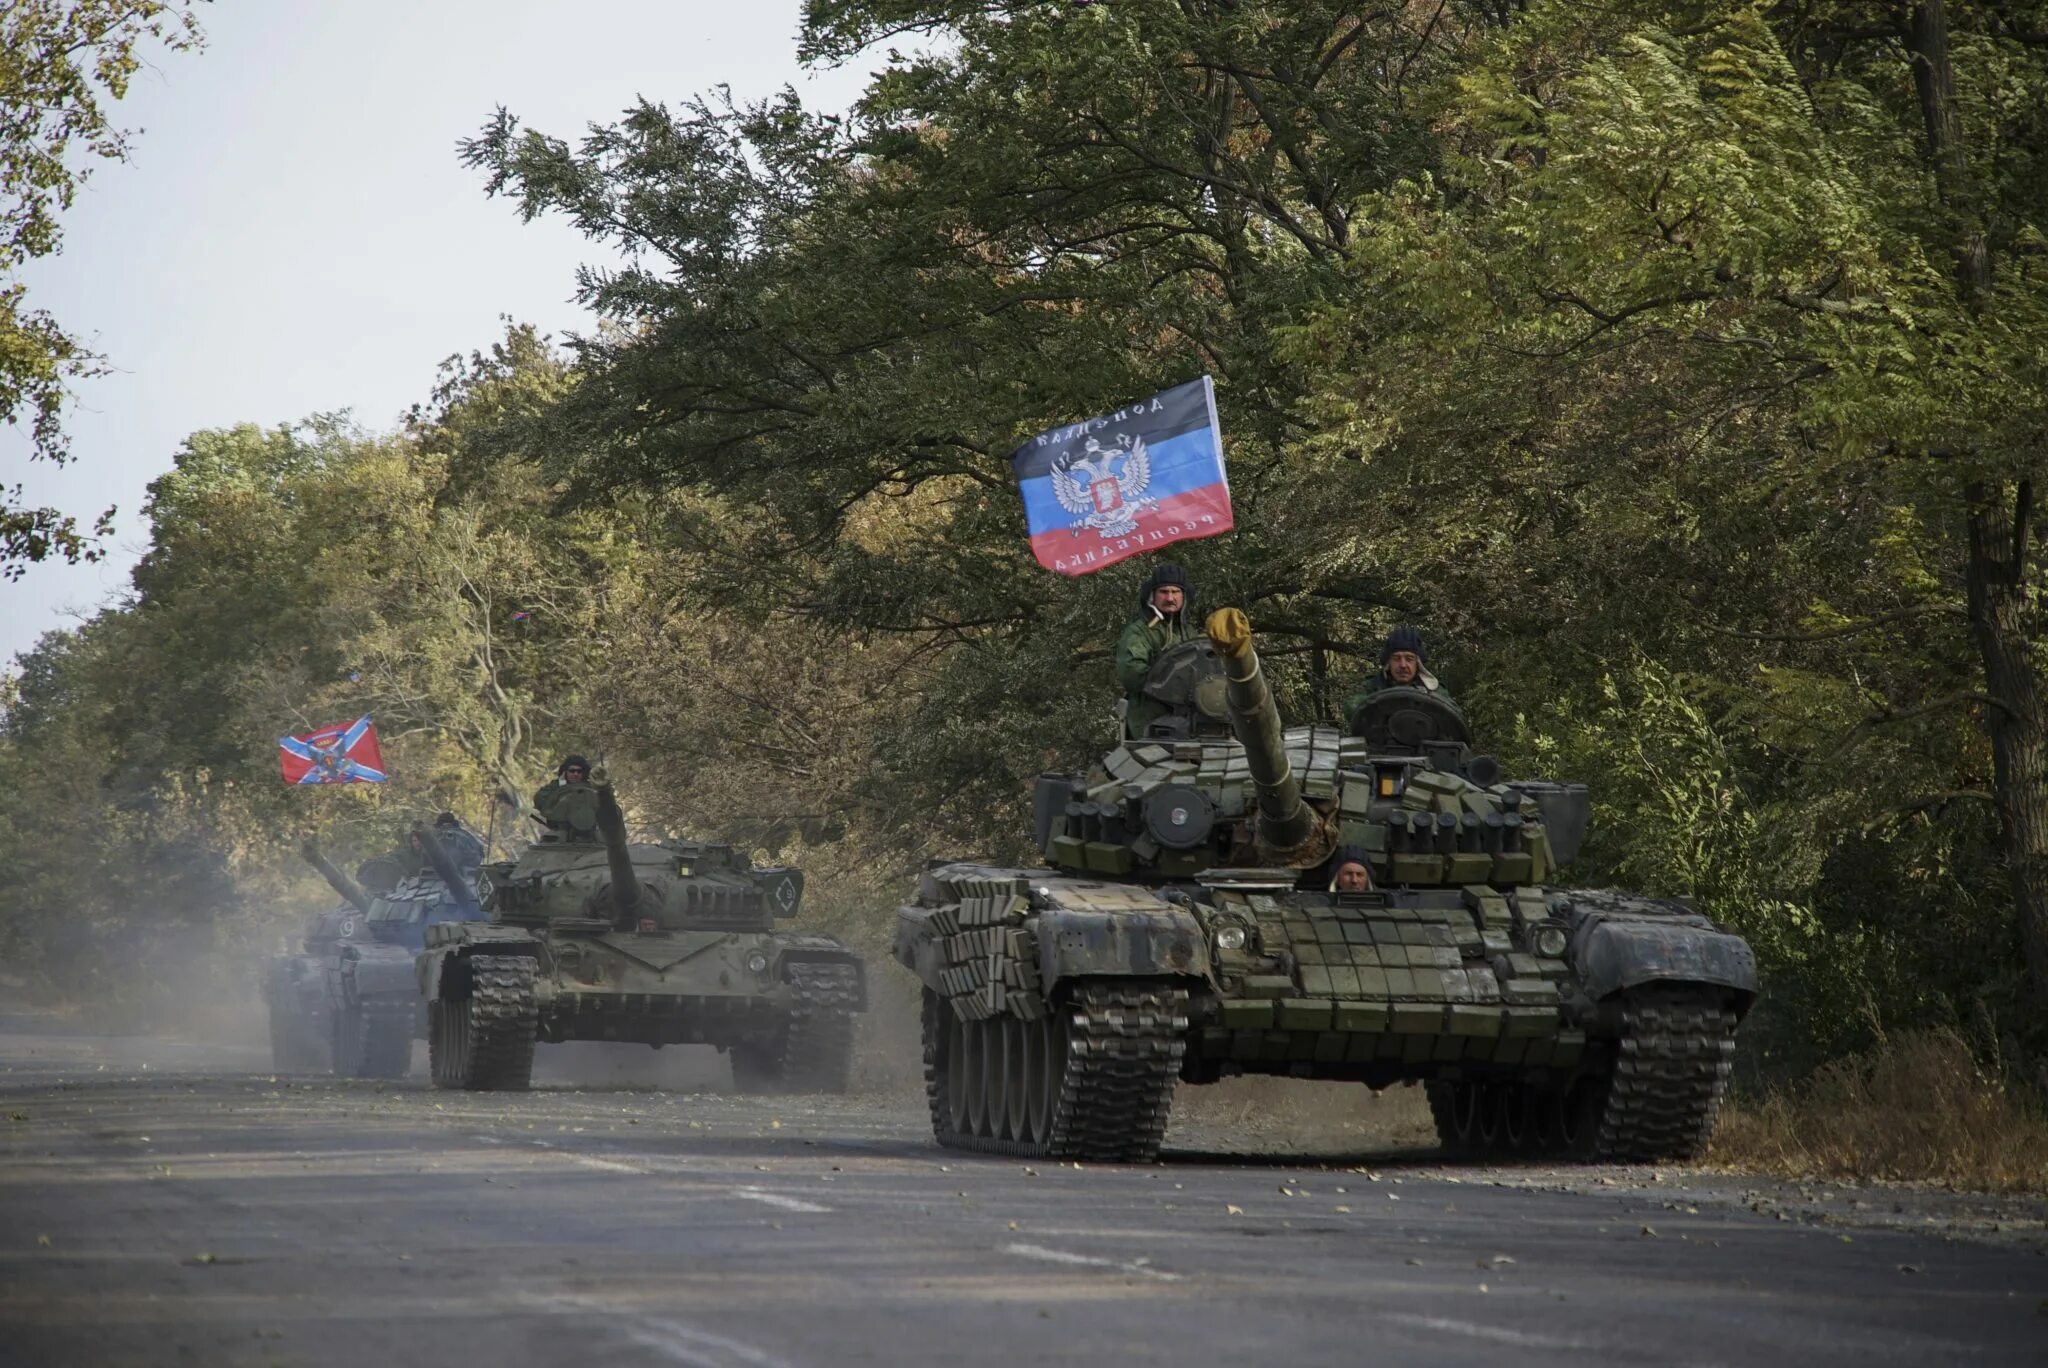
<point x="1092" y="1080"/>
<point x="483" y="1041"/>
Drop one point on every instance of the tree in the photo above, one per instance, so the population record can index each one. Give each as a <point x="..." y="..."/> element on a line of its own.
<point x="62" y="63"/>
<point x="1713" y="285"/>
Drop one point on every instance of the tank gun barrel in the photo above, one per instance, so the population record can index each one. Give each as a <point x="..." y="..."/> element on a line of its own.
<point x="1287" y="826"/>
<point x="611" y="825"/>
<point x="351" y="891"/>
<point x="444" y="865"/>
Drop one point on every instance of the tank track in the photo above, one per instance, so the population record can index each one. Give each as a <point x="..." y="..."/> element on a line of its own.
<point x="373" y="1039"/>
<point x="1112" y="1055"/>
<point x="817" y="1048"/>
<point x="1657" y="1102"/>
<point x="484" y="1042"/>
<point x="813" y="1052"/>
<point x="1671" y="1071"/>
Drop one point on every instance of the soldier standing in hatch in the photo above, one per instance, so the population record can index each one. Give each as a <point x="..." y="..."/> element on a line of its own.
<point x="1164" y="619"/>
<point x="1402" y="666"/>
<point x="571" y="776"/>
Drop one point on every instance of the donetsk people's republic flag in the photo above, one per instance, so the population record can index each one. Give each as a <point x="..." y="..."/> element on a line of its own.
<point x="1144" y="477"/>
<point x="346" y="753"/>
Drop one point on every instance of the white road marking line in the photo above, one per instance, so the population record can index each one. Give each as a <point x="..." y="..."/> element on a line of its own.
<point x="1061" y="1256"/>
<point x="1492" y="1333"/>
<point x="672" y="1339"/>
<point x="776" y="1199"/>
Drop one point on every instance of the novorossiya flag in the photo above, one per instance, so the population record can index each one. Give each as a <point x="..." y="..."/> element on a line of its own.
<point x="1149" y="475"/>
<point x="346" y="753"/>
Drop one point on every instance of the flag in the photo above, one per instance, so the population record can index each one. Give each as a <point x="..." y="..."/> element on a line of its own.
<point x="1146" y="476"/>
<point x="342" y="754"/>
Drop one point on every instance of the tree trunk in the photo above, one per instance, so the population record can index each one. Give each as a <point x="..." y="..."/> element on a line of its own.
<point x="1995" y="572"/>
<point x="1934" y="80"/>
<point x="1995" y="579"/>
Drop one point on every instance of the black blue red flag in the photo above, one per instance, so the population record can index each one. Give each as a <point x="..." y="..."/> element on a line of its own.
<point x="346" y="753"/>
<point x="1103" y="490"/>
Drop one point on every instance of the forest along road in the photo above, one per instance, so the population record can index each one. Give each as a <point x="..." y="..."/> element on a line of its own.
<point x="174" y="1204"/>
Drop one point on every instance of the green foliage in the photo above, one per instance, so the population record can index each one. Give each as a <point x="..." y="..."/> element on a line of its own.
<point x="62" y="62"/>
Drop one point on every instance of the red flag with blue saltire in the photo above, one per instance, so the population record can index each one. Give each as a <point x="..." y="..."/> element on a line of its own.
<point x="1109" y="488"/>
<point x="345" y="753"/>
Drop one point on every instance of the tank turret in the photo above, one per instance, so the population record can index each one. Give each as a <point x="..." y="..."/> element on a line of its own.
<point x="351" y="892"/>
<point x="443" y="863"/>
<point x="1288" y="831"/>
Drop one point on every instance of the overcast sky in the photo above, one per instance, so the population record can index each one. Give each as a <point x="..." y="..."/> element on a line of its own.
<point x="294" y="234"/>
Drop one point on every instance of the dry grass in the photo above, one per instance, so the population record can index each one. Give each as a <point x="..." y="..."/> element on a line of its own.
<point x="1916" y="1109"/>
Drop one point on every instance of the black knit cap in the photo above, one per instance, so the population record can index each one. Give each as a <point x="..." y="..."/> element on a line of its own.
<point x="1163" y="574"/>
<point x="575" y="760"/>
<point x="1403" y="638"/>
<point x="1349" y="855"/>
<point x="447" y="819"/>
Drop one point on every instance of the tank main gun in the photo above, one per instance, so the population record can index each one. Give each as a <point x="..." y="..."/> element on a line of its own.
<point x="443" y="864"/>
<point x="1290" y="832"/>
<point x="350" y="891"/>
<point x="611" y="826"/>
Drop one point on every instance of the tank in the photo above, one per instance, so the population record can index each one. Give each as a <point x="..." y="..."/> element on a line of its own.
<point x="1186" y="926"/>
<point x="593" y="936"/>
<point x="349" y="1002"/>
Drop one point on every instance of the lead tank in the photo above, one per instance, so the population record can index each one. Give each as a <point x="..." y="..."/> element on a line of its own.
<point x="1185" y="927"/>
<point x="593" y="936"/>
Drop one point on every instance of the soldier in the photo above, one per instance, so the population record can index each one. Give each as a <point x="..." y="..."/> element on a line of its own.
<point x="1350" y="872"/>
<point x="1401" y="666"/>
<point x="572" y="776"/>
<point x="458" y="840"/>
<point x="1163" y="620"/>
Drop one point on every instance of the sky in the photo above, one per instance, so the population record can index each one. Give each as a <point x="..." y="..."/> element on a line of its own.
<point x="294" y="234"/>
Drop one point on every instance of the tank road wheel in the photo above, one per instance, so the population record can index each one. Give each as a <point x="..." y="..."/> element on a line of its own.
<point x="442" y="1043"/>
<point x="484" y="1042"/>
<point x="1454" y="1107"/>
<point x="1094" y="1080"/>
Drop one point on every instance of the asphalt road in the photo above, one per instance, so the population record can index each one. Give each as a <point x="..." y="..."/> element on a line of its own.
<point x="164" y="1204"/>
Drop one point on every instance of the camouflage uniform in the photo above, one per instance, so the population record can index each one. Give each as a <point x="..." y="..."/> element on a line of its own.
<point x="563" y="805"/>
<point x="1144" y="637"/>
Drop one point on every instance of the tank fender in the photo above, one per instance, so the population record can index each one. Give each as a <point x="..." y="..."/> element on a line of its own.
<point x="385" y="975"/>
<point x="442" y="966"/>
<point x="1613" y="954"/>
<point x="1166" y="942"/>
<point x="834" y="955"/>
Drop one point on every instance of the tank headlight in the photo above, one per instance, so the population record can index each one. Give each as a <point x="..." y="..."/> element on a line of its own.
<point x="757" y="962"/>
<point x="1550" y="941"/>
<point x="1230" y="936"/>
